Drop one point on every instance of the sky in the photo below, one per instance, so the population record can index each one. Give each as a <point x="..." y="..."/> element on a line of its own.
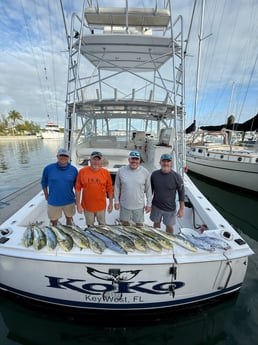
<point x="33" y="58"/>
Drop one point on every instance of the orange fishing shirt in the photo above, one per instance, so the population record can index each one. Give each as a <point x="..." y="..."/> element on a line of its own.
<point x="95" y="186"/>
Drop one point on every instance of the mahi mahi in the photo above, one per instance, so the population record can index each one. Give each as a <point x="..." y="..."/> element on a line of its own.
<point x="80" y="239"/>
<point x="50" y="237"/>
<point x="139" y="243"/>
<point x="28" y="236"/>
<point x="64" y="240"/>
<point x="39" y="238"/>
<point x="164" y="242"/>
<point x="109" y="242"/>
<point x="181" y="241"/>
<point x="124" y="241"/>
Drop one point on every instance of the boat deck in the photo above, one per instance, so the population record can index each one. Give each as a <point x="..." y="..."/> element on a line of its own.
<point x="14" y="201"/>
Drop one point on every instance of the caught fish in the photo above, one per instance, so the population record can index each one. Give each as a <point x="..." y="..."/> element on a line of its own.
<point x="165" y="243"/>
<point x="214" y="241"/>
<point x="181" y="241"/>
<point x="96" y="244"/>
<point x="28" y="236"/>
<point x="139" y="243"/>
<point x="124" y="241"/>
<point x="39" y="238"/>
<point x="64" y="240"/>
<point x="109" y="242"/>
<point x="50" y="238"/>
<point x="151" y="243"/>
<point x="81" y="240"/>
<point x="196" y="242"/>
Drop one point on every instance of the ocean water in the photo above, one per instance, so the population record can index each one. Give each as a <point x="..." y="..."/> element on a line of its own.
<point x="231" y="322"/>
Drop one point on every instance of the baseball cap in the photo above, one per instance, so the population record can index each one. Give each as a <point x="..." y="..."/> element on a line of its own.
<point x="166" y="156"/>
<point x="96" y="154"/>
<point x="63" y="152"/>
<point x="135" y="154"/>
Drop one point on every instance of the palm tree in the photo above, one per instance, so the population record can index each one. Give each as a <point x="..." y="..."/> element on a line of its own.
<point x="14" y="116"/>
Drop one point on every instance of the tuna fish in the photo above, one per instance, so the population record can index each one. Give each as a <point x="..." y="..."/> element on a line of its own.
<point x="96" y="244"/>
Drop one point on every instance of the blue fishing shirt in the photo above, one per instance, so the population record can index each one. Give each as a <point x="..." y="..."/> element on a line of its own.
<point x="60" y="182"/>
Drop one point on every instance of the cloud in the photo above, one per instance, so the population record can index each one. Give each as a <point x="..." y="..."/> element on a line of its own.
<point x="33" y="58"/>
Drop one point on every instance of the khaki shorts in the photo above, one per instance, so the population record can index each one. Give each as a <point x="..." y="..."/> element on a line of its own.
<point x="90" y="217"/>
<point x="55" y="212"/>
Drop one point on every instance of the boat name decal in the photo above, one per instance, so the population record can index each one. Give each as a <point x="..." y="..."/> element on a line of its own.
<point x="148" y="286"/>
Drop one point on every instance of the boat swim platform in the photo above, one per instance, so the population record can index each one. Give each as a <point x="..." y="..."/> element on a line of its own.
<point x="11" y="203"/>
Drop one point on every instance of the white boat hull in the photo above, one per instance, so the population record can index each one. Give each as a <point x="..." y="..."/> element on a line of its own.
<point x="238" y="174"/>
<point x="74" y="284"/>
<point x="52" y="135"/>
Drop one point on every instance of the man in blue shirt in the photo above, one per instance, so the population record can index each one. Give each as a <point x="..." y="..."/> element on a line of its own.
<point x="58" y="181"/>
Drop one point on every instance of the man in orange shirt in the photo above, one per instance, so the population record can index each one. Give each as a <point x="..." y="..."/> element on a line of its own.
<point x="96" y="185"/>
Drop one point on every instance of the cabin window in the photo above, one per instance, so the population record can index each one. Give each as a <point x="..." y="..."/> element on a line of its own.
<point x="222" y="156"/>
<point x="200" y="150"/>
<point x="239" y="159"/>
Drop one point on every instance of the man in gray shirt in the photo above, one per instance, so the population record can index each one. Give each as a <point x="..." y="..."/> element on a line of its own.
<point x="165" y="183"/>
<point x="131" y="184"/>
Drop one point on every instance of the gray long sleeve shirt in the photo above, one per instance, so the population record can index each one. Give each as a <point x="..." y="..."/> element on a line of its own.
<point x="131" y="186"/>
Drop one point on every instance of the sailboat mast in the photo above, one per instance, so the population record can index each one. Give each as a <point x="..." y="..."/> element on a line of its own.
<point x="199" y="62"/>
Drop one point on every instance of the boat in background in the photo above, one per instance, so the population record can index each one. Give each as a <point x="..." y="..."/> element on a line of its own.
<point x="52" y="131"/>
<point x="221" y="153"/>
<point x="118" y="67"/>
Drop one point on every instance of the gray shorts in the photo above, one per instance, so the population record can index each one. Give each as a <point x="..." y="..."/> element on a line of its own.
<point x="168" y="217"/>
<point x="137" y="216"/>
<point x="55" y="212"/>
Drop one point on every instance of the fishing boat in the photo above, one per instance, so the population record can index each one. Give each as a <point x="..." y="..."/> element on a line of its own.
<point x="52" y="131"/>
<point x="125" y="92"/>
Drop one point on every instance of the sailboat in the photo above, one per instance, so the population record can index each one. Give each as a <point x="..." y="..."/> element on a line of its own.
<point x="219" y="152"/>
<point x="118" y="64"/>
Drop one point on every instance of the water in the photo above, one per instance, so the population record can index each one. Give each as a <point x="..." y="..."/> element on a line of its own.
<point x="22" y="161"/>
<point x="233" y="322"/>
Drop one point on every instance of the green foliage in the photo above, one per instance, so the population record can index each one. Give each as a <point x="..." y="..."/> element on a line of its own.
<point x="10" y="125"/>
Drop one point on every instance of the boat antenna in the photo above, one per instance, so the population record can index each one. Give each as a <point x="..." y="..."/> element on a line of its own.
<point x="190" y="28"/>
<point x="230" y="100"/>
<point x="65" y="26"/>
